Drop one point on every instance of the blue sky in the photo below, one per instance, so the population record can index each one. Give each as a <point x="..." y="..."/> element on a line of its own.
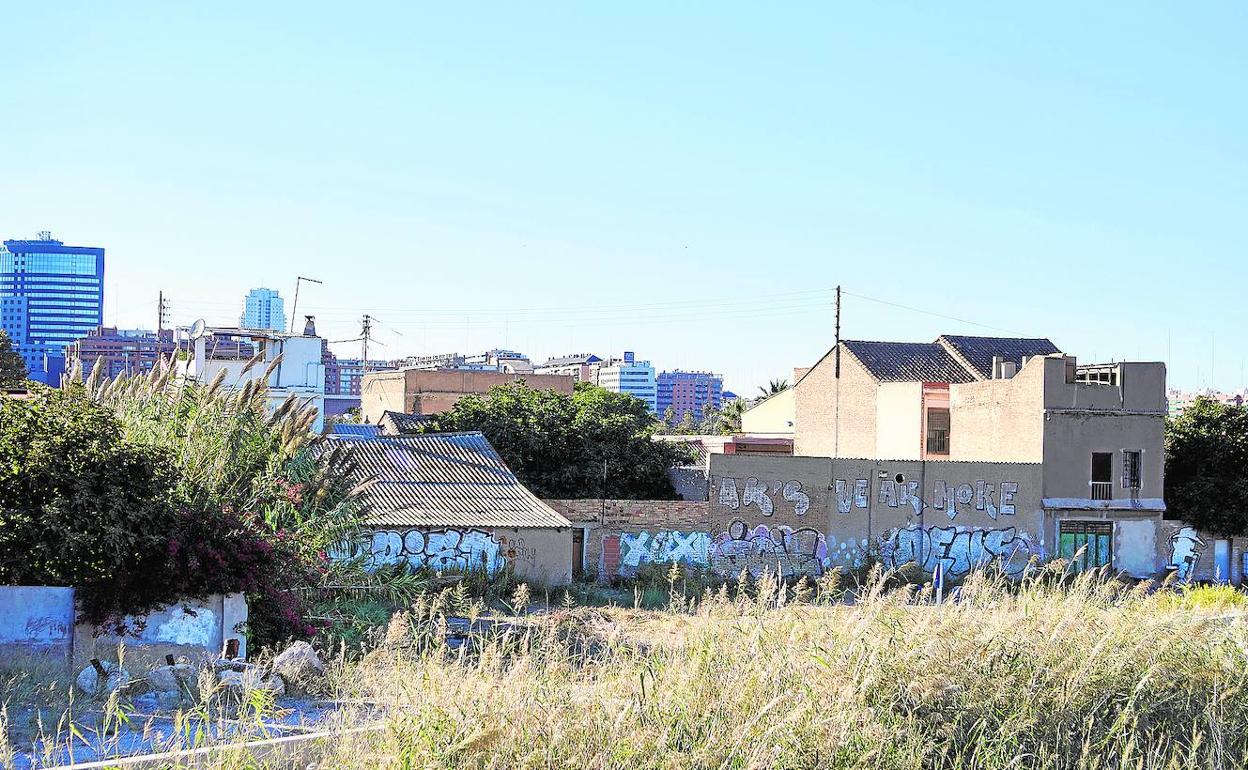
<point x="688" y="181"/>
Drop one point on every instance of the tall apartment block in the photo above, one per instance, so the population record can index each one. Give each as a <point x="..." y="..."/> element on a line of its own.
<point x="263" y="309"/>
<point x="689" y="393"/>
<point x="50" y="295"/>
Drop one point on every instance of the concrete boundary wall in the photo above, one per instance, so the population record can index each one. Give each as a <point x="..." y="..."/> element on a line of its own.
<point x="620" y="536"/>
<point x="42" y="621"/>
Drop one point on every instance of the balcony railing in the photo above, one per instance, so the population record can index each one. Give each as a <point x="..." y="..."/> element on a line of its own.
<point x="1102" y="490"/>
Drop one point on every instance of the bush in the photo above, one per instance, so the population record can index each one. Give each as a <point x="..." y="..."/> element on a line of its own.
<point x="82" y="506"/>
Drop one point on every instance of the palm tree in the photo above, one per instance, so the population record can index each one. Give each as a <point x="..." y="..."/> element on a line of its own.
<point x="730" y="416"/>
<point x="773" y="387"/>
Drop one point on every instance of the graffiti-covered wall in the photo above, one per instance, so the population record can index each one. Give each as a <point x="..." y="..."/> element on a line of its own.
<point x="805" y="515"/>
<point x="542" y="554"/>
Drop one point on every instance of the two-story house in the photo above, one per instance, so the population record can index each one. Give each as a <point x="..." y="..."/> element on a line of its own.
<point x="1096" y="433"/>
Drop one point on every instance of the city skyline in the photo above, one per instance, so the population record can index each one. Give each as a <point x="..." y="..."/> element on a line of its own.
<point x="584" y="178"/>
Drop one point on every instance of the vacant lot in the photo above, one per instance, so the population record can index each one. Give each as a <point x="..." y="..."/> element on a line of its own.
<point x="1089" y="675"/>
<point x="1086" y="675"/>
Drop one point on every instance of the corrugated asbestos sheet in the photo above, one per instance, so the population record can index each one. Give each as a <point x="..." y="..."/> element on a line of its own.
<point x="908" y="361"/>
<point x="978" y="351"/>
<point x="443" y="480"/>
<point x="354" y="429"/>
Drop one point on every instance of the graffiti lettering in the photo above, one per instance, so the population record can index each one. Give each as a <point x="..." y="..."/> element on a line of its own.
<point x="756" y="493"/>
<point x="958" y="549"/>
<point x="638" y="548"/>
<point x="763" y="494"/>
<point x="794" y="494"/>
<point x="843" y="499"/>
<point x="441" y="549"/>
<point x="780" y="549"/>
<point x="728" y="493"/>
<point x="1008" y="490"/>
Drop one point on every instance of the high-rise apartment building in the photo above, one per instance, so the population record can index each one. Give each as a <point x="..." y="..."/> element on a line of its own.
<point x="689" y="393"/>
<point x="628" y="375"/>
<point x="263" y="309"/>
<point x="50" y="295"/>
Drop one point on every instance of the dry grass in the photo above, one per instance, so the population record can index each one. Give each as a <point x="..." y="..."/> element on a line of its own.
<point x="1089" y="675"/>
<point x="1086" y="675"/>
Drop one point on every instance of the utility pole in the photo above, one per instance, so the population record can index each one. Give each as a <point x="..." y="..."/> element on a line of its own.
<point x="162" y="315"/>
<point x="836" y="418"/>
<point x="368" y="332"/>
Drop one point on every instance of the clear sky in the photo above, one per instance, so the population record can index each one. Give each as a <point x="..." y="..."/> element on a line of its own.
<point x="687" y="181"/>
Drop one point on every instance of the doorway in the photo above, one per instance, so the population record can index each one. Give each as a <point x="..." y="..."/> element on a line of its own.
<point x="578" y="553"/>
<point x="1222" y="561"/>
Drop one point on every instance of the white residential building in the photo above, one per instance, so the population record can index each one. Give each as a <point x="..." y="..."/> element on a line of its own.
<point x="628" y="375"/>
<point x="301" y="371"/>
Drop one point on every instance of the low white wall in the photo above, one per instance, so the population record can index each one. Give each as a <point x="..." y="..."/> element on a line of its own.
<point x="42" y="619"/>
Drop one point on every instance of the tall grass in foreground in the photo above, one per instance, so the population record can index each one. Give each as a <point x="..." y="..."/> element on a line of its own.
<point x="1092" y="674"/>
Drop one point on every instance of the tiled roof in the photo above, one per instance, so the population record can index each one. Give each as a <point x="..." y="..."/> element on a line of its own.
<point x="908" y="361"/>
<point x="979" y="351"/>
<point x="443" y="480"/>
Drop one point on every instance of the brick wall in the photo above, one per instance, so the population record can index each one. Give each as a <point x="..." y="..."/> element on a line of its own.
<point x="605" y="521"/>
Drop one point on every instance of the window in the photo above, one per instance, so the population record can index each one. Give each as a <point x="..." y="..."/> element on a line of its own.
<point x="938" y="431"/>
<point x="1102" y="476"/>
<point x="1130" y="469"/>
<point x="1094" y="538"/>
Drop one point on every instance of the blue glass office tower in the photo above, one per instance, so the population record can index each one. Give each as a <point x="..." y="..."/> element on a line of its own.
<point x="50" y="295"/>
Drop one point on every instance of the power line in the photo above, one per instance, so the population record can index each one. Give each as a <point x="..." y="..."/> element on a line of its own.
<point x="935" y="314"/>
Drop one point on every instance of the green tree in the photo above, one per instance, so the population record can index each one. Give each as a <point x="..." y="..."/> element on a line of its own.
<point x="1206" y="454"/>
<point x="773" y="387"/>
<point x="80" y="504"/>
<point x="593" y="443"/>
<point x="12" y="366"/>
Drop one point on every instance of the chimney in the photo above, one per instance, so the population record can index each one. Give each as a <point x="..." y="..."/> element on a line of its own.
<point x="997" y="362"/>
<point x="309" y="326"/>
<point x="1008" y="370"/>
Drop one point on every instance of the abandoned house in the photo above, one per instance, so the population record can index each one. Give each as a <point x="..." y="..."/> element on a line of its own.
<point x="447" y="501"/>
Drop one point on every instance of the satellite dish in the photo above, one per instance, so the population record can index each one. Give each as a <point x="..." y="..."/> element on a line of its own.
<point x="197" y="329"/>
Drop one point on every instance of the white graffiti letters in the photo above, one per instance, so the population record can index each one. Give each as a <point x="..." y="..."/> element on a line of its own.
<point x="957" y="549"/>
<point x="441" y="549"/>
<point x="763" y="495"/>
<point x="756" y="493"/>
<point x="637" y="548"/>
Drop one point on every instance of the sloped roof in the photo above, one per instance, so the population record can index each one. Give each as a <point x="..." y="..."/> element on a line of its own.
<point x="443" y="480"/>
<point x="353" y="429"/>
<point x="978" y="352"/>
<point x="401" y="423"/>
<point x="908" y="361"/>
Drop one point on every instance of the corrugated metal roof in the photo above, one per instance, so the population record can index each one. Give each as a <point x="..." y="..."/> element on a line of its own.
<point x="443" y="480"/>
<point x="353" y="429"/>
<point x="979" y="351"/>
<point x="908" y="361"/>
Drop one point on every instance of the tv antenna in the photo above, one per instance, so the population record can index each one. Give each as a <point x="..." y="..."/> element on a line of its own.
<point x="294" y="310"/>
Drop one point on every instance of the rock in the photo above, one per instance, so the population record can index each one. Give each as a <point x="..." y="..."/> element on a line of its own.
<point x="240" y="682"/>
<point x="178" y="678"/>
<point x="300" y="667"/>
<point x="229" y="664"/>
<point x="90" y="682"/>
